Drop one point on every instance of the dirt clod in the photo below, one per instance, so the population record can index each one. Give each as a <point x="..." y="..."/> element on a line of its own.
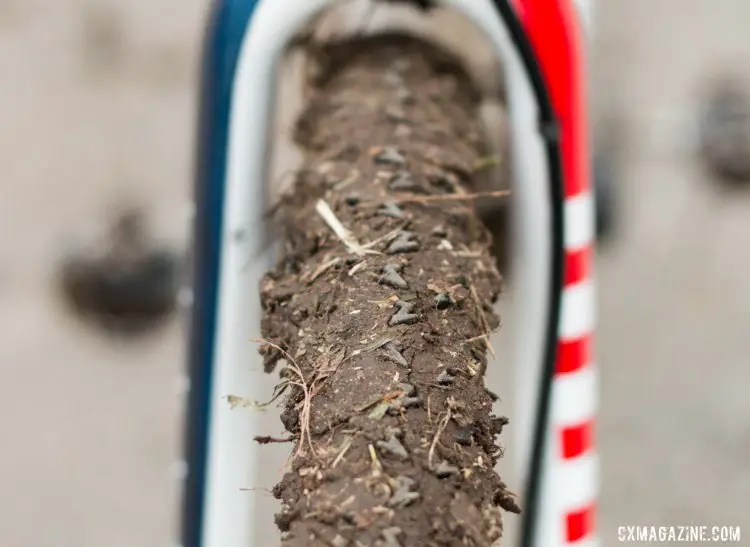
<point x="402" y="131"/>
<point x="402" y="494"/>
<point x="392" y="353"/>
<point x="390" y="535"/>
<point x="443" y="301"/>
<point x="439" y="231"/>
<point x="391" y="209"/>
<point x="391" y="277"/>
<point x="464" y="435"/>
<point x="394" y="447"/>
<point x="404" y="315"/>
<point x="445" y="378"/>
<point x="402" y="181"/>
<point x="390" y="156"/>
<point x="405" y="242"/>
<point x="404" y="96"/>
<point x="497" y="424"/>
<point x="408" y="389"/>
<point x="411" y="402"/>
<point x="445" y="245"/>
<point x="395" y="113"/>
<point x="393" y="78"/>
<point x="445" y="469"/>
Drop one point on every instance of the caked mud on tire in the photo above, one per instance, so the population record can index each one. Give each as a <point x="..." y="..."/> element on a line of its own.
<point x="381" y="301"/>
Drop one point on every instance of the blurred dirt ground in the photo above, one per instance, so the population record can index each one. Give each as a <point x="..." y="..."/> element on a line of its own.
<point x="97" y="102"/>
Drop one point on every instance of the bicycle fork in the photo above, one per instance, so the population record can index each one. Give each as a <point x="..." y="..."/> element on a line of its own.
<point x="540" y="45"/>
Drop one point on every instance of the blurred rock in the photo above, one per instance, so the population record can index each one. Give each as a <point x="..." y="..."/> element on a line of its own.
<point x="610" y="141"/>
<point x="127" y="285"/>
<point x="605" y="194"/>
<point x="103" y="39"/>
<point x="724" y="130"/>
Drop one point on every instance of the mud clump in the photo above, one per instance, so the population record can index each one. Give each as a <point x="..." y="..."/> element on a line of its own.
<point x="396" y="441"/>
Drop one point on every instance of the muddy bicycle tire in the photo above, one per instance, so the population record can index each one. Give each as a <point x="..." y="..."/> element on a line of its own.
<point x="380" y="307"/>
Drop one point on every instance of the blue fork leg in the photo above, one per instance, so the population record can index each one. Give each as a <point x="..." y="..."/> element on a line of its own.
<point x="227" y="23"/>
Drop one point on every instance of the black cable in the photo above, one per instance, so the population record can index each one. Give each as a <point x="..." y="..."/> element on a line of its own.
<point x="549" y="130"/>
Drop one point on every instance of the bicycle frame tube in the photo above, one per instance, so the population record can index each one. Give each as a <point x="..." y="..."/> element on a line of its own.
<point x="244" y="42"/>
<point x="562" y="497"/>
<point x="223" y="38"/>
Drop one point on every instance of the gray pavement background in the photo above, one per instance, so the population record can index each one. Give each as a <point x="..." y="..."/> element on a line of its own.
<point x="90" y="426"/>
